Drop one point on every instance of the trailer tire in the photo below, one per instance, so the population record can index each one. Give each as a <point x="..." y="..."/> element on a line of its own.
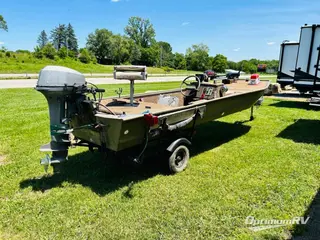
<point x="178" y="159"/>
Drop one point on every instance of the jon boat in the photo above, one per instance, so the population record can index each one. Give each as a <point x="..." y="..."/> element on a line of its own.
<point x="128" y="127"/>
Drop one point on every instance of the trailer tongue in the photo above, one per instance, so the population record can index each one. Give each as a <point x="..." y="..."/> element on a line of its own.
<point x="127" y="127"/>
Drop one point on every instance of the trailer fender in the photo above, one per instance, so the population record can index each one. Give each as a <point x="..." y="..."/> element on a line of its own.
<point x="177" y="143"/>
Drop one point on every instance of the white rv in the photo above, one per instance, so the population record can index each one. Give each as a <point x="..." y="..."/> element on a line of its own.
<point x="306" y="77"/>
<point x="287" y="63"/>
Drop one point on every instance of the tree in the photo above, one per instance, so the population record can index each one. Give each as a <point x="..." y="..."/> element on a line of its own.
<point x="166" y="55"/>
<point x="72" y="54"/>
<point x="210" y="61"/>
<point x="71" y="39"/>
<point x="135" y="52"/>
<point x="141" y="31"/>
<point x="149" y="56"/>
<point x="219" y="63"/>
<point x="59" y="36"/>
<point x="3" y="23"/>
<point x="62" y="53"/>
<point x="99" y="43"/>
<point x="273" y="64"/>
<point x="120" y="49"/>
<point x="197" y="57"/>
<point x="84" y="56"/>
<point x="247" y="66"/>
<point x="254" y="61"/>
<point x="232" y="65"/>
<point x="42" y="39"/>
<point x="38" y="52"/>
<point x="179" y="61"/>
<point x="49" y="51"/>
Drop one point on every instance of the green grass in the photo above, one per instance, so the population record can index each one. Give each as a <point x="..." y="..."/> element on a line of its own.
<point x="25" y="63"/>
<point x="268" y="168"/>
<point x="272" y="78"/>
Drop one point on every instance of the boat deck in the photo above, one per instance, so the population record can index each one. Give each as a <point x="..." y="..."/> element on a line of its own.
<point x="149" y="102"/>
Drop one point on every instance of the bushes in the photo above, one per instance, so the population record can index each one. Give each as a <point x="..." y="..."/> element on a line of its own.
<point x="84" y="56"/>
<point x="49" y="51"/>
<point x="63" y="53"/>
<point x="38" y="53"/>
<point x="73" y="54"/>
<point x="179" y="61"/>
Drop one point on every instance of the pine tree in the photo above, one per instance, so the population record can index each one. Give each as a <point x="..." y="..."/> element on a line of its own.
<point x="42" y="39"/>
<point x="72" y="41"/>
<point x="59" y="36"/>
<point x="3" y="23"/>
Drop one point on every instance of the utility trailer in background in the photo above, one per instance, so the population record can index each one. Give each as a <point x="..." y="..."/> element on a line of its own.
<point x="287" y="63"/>
<point x="306" y="75"/>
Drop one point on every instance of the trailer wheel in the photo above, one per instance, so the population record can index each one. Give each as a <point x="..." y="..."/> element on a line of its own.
<point x="178" y="160"/>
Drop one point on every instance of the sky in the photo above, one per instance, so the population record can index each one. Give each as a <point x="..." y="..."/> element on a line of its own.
<point x="238" y="29"/>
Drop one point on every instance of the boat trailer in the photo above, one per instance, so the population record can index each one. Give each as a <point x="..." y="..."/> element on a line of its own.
<point x="131" y="127"/>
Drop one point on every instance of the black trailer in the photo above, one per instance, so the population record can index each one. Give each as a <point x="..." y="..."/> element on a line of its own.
<point x="306" y="74"/>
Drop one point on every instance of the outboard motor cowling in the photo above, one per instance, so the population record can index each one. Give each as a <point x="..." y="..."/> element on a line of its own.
<point x="62" y="87"/>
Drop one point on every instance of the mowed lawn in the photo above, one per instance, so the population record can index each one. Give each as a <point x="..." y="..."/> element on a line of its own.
<point x="268" y="168"/>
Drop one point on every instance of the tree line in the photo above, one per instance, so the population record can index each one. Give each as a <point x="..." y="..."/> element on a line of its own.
<point x="63" y="43"/>
<point x="137" y="45"/>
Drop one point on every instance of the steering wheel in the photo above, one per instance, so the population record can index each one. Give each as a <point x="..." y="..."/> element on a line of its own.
<point x="190" y="85"/>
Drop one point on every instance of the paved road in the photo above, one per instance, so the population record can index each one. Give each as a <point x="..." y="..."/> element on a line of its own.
<point x="35" y="75"/>
<point x="31" y="83"/>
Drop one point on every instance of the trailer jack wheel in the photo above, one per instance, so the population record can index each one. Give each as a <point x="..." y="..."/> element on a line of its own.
<point x="179" y="158"/>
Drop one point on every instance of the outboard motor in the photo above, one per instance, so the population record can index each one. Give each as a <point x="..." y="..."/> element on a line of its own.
<point x="62" y="87"/>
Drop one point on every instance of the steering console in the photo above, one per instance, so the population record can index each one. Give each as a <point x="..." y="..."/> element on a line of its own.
<point x="190" y="85"/>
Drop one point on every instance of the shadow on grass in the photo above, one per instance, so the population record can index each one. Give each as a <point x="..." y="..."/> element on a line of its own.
<point x="303" y="131"/>
<point x="214" y="134"/>
<point x="291" y="104"/>
<point x="311" y="230"/>
<point x="89" y="170"/>
<point x="294" y="104"/>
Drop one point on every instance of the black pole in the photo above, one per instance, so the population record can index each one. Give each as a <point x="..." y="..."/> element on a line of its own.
<point x="251" y="116"/>
<point x="317" y="69"/>
<point x="311" y="47"/>
<point x="281" y="62"/>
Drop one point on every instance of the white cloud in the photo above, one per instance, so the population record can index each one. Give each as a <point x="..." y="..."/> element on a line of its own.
<point x="270" y="43"/>
<point x="115" y="0"/>
<point x="185" y="23"/>
<point x="1" y="43"/>
<point x="236" y="49"/>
